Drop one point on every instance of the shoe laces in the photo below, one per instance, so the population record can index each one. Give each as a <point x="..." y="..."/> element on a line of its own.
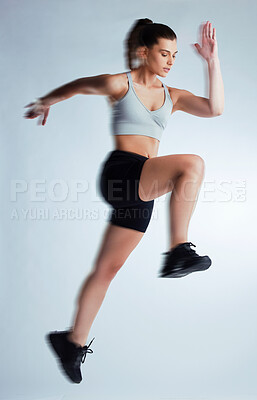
<point x="187" y="247"/>
<point x="82" y="352"/>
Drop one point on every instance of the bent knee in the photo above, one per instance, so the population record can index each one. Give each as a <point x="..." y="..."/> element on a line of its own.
<point x="195" y="165"/>
<point x="107" y="270"/>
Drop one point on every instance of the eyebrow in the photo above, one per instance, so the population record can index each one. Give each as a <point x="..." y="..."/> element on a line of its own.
<point x="168" y="51"/>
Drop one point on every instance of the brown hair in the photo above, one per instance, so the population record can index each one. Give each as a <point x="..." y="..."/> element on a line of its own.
<point x="145" y="32"/>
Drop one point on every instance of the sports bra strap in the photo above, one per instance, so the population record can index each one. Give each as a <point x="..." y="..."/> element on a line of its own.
<point x="167" y="92"/>
<point x="130" y="80"/>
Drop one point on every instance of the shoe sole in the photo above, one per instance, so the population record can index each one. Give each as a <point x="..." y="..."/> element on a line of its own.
<point x="55" y="348"/>
<point x="184" y="272"/>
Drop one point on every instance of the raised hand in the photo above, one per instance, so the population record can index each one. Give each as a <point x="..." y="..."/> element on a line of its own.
<point x="38" y="108"/>
<point x="209" y="49"/>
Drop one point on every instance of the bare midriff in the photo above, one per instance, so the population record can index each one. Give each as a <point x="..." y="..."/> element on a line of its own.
<point x="144" y="145"/>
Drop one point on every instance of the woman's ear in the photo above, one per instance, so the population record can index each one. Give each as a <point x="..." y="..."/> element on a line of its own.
<point x="141" y="53"/>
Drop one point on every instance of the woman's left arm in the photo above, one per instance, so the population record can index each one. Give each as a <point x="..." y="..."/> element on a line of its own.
<point x="216" y="87"/>
<point x="201" y="106"/>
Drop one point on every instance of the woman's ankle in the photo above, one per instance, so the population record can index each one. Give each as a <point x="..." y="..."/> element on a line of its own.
<point x="175" y="244"/>
<point x="72" y="338"/>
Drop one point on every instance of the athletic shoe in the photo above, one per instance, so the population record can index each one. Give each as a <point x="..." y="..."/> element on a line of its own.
<point x="182" y="260"/>
<point x="70" y="355"/>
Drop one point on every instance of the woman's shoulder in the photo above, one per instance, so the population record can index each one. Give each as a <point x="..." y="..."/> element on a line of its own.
<point x="118" y="79"/>
<point x="118" y="86"/>
<point x="174" y="93"/>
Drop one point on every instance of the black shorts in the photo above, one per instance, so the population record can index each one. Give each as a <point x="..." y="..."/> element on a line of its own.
<point x="119" y="182"/>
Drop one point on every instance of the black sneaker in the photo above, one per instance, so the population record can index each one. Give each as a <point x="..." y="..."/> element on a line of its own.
<point x="70" y="354"/>
<point x="182" y="260"/>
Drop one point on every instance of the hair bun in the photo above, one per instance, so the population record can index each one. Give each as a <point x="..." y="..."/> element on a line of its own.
<point x="144" y="21"/>
<point x="141" y="23"/>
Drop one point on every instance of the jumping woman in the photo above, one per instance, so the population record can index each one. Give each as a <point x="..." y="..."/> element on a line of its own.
<point x="132" y="175"/>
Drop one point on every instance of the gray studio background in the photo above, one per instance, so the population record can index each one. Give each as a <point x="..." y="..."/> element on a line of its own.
<point x="155" y="339"/>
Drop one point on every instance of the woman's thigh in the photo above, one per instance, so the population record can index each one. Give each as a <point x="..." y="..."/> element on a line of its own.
<point x="117" y="244"/>
<point x="159" y="174"/>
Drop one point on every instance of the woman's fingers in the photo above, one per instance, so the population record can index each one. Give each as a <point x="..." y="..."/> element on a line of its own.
<point x="208" y="32"/>
<point x="37" y="110"/>
<point x="32" y="114"/>
<point x="204" y="34"/>
<point x="203" y="31"/>
<point x="211" y="30"/>
<point x="29" y="105"/>
<point x="45" y="116"/>
<point x="214" y="34"/>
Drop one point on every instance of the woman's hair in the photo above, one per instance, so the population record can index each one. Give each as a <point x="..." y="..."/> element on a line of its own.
<point x="145" y="32"/>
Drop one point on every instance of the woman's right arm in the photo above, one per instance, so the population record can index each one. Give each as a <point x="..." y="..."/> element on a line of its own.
<point x="105" y="84"/>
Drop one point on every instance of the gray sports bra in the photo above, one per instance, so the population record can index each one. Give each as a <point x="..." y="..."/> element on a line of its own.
<point x="131" y="117"/>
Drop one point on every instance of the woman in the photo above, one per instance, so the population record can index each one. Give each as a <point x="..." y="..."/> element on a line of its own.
<point x="132" y="175"/>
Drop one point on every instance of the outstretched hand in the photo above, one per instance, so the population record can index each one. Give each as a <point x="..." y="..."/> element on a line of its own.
<point x="209" y="49"/>
<point x="37" y="109"/>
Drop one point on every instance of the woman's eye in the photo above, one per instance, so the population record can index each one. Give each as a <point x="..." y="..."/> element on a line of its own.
<point x="165" y="55"/>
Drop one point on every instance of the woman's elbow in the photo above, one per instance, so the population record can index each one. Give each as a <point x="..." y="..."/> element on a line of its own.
<point x="216" y="113"/>
<point x="220" y="112"/>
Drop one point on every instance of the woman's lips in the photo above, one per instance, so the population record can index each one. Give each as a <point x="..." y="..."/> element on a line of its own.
<point x="166" y="69"/>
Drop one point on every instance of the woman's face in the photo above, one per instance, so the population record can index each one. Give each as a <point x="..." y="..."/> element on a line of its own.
<point x="160" y="58"/>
